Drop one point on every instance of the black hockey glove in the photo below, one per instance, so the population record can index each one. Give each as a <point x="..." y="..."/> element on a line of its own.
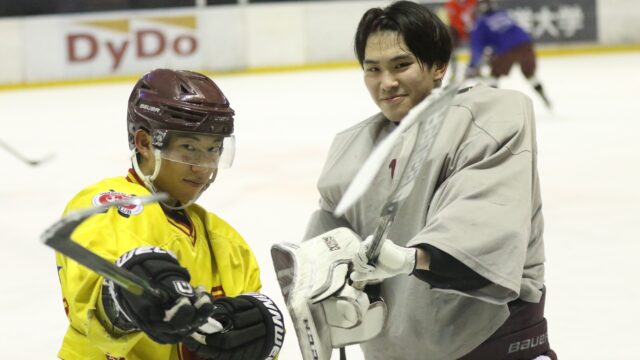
<point x="167" y="321"/>
<point x="253" y="330"/>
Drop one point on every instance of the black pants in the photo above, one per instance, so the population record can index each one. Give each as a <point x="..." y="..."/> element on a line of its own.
<point x="522" y="337"/>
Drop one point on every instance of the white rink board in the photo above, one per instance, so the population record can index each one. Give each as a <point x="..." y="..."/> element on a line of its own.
<point x="230" y="37"/>
<point x="588" y="162"/>
<point x="85" y="46"/>
<point x="11" y="47"/>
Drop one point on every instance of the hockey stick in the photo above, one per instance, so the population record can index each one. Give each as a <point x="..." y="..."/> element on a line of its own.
<point x="21" y="157"/>
<point x="419" y="127"/>
<point x="58" y="236"/>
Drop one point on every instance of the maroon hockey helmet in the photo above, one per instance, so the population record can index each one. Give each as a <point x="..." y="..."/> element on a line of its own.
<point x="178" y="100"/>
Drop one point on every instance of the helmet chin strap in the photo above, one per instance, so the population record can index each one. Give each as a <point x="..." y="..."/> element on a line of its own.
<point x="148" y="179"/>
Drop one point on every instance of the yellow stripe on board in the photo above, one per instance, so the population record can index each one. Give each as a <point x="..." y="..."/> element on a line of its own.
<point x="581" y="50"/>
<point x="188" y="21"/>
<point x="74" y="82"/>
<point x="122" y="25"/>
<point x="541" y="51"/>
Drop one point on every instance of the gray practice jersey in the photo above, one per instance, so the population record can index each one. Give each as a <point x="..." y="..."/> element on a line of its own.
<point x="476" y="198"/>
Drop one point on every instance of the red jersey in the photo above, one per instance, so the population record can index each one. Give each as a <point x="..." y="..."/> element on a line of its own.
<point x="461" y="16"/>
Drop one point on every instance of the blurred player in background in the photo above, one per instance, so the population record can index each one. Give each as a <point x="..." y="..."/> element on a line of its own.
<point x="180" y="128"/>
<point x="507" y="43"/>
<point x="460" y="14"/>
<point x="462" y="269"/>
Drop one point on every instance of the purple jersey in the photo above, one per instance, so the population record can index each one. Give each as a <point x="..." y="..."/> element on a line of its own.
<point x="497" y="31"/>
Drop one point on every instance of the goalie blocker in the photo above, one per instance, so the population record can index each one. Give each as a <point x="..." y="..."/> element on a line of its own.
<point x="326" y="311"/>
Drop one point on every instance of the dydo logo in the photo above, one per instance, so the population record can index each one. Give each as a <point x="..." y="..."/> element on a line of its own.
<point x="132" y="39"/>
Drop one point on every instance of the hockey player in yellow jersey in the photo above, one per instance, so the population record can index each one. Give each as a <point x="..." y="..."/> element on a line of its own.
<point x="180" y="128"/>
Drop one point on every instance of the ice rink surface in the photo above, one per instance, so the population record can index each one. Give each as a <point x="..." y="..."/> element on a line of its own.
<point x="589" y="162"/>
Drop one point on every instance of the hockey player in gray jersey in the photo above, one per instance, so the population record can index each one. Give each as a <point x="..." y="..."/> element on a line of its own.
<point x="461" y="270"/>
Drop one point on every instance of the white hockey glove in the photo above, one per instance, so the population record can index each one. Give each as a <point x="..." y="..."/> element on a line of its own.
<point x="393" y="260"/>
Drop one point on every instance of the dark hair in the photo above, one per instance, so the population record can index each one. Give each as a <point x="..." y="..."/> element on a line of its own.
<point x="423" y="32"/>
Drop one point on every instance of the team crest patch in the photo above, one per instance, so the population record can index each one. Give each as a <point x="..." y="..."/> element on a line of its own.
<point x="111" y="196"/>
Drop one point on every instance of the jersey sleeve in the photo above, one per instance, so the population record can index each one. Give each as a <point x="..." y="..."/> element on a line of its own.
<point x="481" y="214"/>
<point x="108" y="235"/>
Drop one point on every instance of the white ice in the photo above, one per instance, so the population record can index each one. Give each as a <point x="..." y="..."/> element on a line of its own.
<point x="589" y="162"/>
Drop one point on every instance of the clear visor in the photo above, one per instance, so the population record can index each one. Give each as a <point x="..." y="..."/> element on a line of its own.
<point x="210" y="151"/>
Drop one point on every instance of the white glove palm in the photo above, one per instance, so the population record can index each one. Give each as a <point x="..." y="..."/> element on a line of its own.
<point x="393" y="260"/>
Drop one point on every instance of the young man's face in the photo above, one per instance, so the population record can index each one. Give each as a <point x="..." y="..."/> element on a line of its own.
<point x="188" y="163"/>
<point x="182" y="182"/>
<point x="394" y="76"/>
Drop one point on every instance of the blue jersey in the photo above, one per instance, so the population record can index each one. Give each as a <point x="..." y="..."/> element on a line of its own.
<point x="497" y="31"/>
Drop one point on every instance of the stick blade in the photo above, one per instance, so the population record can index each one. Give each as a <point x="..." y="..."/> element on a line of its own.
<point x="428" y="110"/>
<point x="42" y="160"/>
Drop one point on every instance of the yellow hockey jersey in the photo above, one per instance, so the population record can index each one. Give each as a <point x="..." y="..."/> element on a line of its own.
<point x="216" y="256"/>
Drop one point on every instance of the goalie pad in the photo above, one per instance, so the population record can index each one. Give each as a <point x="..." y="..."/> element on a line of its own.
<point x="326" y="312"/>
